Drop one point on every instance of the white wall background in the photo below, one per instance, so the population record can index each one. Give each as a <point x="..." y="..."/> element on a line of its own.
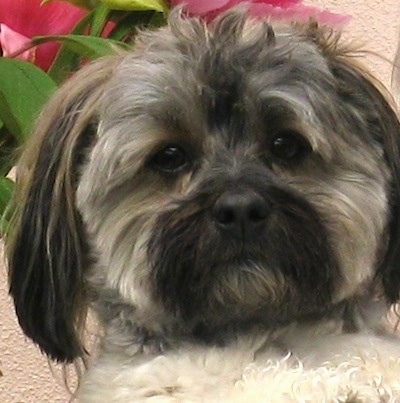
<point x="27" y="376"/>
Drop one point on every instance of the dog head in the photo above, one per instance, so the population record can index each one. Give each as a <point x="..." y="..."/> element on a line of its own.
<point x="230" y="173"/>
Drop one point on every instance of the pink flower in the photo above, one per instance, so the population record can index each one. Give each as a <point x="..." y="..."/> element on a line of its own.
<point x="20" y="20"/>
<point x="292" y="10"/>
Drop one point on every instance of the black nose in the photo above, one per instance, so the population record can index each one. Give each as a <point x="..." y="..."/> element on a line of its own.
<point x="241" y="213"/>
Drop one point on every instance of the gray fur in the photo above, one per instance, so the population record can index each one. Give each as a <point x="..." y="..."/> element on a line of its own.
<point x="222" y="93"/>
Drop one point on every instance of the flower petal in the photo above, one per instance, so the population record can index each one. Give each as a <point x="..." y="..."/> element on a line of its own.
<point x="300" y="13"/>
<point x="279" y="3"/>
<point x="11" y="42"/>
<point x="30" y="18"/>
<point x="196" y="7"/>
<point x="292" y="10"/>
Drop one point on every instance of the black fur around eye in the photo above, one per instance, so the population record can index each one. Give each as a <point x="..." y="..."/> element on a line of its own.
<point x="170" y="159"/>
<point x="289" y="146"/>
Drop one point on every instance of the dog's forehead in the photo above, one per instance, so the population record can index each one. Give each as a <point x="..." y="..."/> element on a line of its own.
<point x="217" y="84"/>
<point x="222" y="69"/>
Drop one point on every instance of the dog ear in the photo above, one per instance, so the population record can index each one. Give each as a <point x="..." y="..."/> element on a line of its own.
<point x="46" y="244"/>
<point x="369" y="100"/>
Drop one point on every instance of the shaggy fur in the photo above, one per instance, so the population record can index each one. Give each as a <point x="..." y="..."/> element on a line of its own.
<point x="226" y="198"/>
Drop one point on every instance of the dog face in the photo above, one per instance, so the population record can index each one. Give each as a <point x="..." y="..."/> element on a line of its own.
<point x="216" y="176"/>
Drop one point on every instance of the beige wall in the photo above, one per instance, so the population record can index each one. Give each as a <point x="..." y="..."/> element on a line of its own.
<point x="375" y="25"/>
<point x="26" y="373"/>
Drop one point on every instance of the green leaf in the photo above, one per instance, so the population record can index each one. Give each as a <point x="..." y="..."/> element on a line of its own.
<point x="127" y="24"/>
<point x="8" y="151"/>
<point x="90" y="47"/>
<point x="6" y="193"/>
<point x="79" y="3"/>
<point x="67" y="61"/>
<point x="24" y="89"/>
<point x="158" y="20"/>
<point x="82" y="25"/>
<point x="76" y="47"/>
<point x="99" y="20"/>
<point x="136" y="5"/>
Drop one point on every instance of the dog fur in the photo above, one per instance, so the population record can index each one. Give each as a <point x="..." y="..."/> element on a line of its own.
<point x="226" y="197"/>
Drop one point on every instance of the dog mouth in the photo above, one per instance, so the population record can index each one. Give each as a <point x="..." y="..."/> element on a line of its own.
<point x="246" y="252"/>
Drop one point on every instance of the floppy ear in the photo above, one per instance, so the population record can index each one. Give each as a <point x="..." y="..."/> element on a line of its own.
<point x="46" y="245"/>
<point x="367" y="98"/>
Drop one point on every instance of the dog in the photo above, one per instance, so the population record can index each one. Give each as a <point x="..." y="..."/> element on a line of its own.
<point x="226" y="198"/>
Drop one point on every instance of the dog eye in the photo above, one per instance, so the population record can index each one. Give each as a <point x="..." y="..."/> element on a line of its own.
<point x="289" y="146"/>
<point x="171" y="159"/>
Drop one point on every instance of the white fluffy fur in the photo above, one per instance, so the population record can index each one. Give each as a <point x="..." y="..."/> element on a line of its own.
<point x="302" y="365"/>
